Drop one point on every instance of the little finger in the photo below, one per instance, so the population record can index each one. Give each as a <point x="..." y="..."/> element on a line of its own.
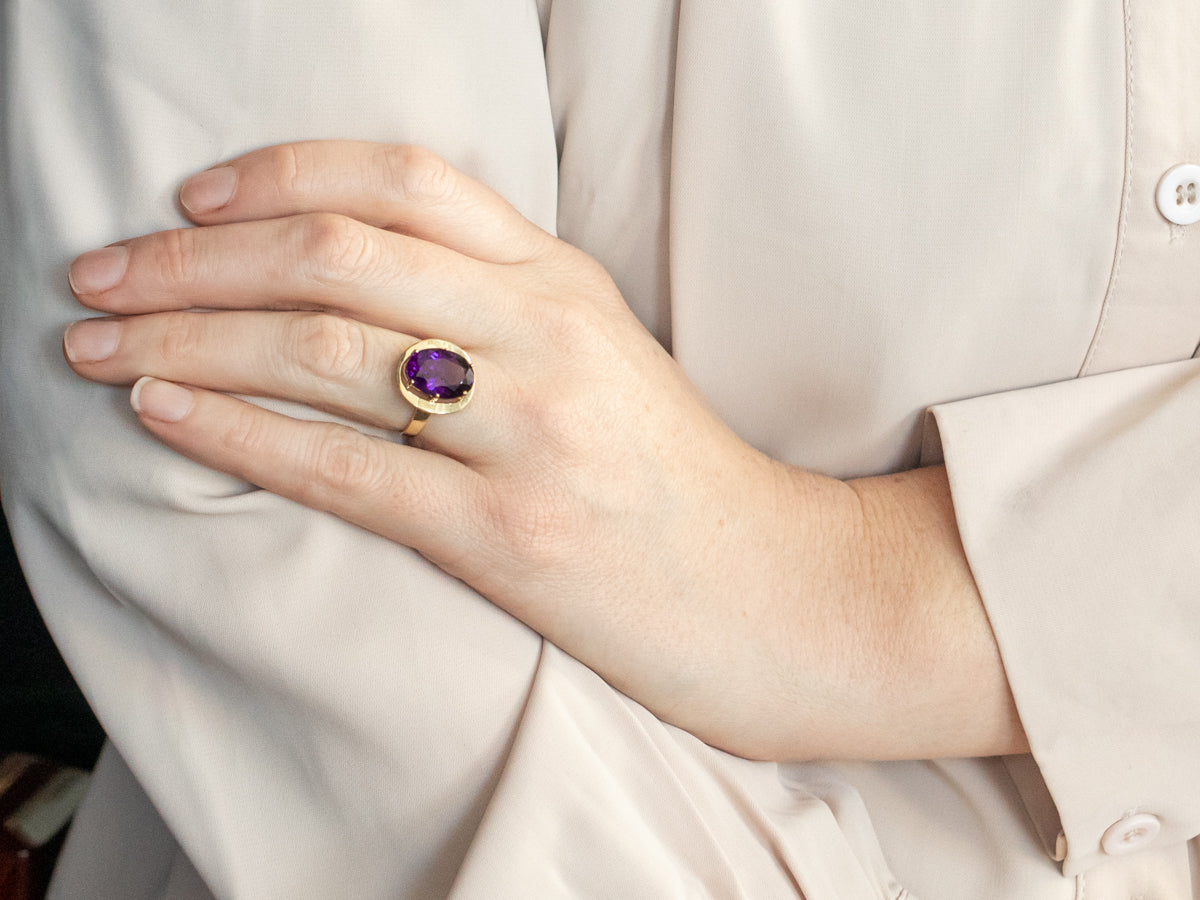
<point x="422" y="500"/>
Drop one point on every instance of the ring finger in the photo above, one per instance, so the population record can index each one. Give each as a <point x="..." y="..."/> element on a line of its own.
<point x="325" y="361"/>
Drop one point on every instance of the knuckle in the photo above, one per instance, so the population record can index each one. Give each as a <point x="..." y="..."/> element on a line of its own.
<point x="295" y="174"/>
<point x="420" y="175"/>
<point x="337" y="249"/>
<point x="182" y="335"/>
<point x="328" y="347"/>
<point x="579" y="327"/>
<point x="348" y="464"/>
<point x="179" y="254"/>
<point x="533" y="524"/>
<point x="245" y="434"/>
<point x="326" y="467"/>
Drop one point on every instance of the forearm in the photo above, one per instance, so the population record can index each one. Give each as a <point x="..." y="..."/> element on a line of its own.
<point x="853" y="628"/>
<point x="941" y="685"/>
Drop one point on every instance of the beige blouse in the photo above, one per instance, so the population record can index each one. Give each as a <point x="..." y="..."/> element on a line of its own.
<point x="874" y="234"/>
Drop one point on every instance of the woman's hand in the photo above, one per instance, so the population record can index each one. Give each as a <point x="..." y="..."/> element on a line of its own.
<point x="587" y="489"/>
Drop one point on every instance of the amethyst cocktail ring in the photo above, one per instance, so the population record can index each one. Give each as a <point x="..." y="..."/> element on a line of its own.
<point x="436" y="378"/>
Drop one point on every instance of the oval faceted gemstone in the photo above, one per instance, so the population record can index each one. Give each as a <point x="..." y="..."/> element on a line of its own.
<point x="439" y="374"/>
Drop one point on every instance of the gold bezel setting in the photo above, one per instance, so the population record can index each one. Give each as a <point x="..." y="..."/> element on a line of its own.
<point x="424" y="399"/>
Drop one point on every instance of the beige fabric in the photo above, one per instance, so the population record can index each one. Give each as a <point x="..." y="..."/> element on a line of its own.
<point x="839" y="215"/>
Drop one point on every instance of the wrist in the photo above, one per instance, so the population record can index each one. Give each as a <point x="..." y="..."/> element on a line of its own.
<point x="871" y="639"/>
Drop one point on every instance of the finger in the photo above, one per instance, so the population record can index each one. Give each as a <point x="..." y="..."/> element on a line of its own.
<point x="313" y="261"/>
<point x="401" y="188"/>
<point x="330" y="363"/>
<point x="422" y="500"/>
<point x="323" y="361"/>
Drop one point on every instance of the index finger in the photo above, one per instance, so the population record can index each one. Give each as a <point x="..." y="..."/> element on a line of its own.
<point x="398" y="187"/>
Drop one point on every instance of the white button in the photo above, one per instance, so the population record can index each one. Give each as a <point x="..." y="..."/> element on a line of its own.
<point x="1178" y="194"/>
<point x="1131" y="833"/>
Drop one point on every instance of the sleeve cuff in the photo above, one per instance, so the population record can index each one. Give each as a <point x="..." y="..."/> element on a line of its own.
<point x="1078" y="504"/>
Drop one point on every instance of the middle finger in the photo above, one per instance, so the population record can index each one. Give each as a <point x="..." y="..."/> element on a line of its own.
<point x="320" y="261"/>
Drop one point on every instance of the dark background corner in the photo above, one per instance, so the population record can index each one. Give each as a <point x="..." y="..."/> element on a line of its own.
<point x="41" y="708"/>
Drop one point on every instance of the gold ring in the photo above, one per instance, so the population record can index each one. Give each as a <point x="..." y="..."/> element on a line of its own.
<point x="436" y="378"/>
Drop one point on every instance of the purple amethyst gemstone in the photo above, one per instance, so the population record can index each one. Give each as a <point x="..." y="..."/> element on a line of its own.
<point x="438" y="374"/>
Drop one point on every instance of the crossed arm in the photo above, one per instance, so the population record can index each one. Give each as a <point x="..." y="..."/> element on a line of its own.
<point x="587" y="490"/>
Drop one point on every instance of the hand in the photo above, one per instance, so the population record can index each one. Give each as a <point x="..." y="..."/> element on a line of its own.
<point x="587" y="489"/>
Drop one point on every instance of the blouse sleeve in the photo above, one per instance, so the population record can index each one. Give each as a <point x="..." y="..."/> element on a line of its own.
<point x="1079" y="510"/>
<point x="264" y="669"/>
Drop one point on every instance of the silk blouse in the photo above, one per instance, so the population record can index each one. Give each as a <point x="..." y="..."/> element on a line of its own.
<point x="875" y="235"/>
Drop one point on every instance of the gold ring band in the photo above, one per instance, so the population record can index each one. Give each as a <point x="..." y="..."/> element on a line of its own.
<point x="416" y="423"/>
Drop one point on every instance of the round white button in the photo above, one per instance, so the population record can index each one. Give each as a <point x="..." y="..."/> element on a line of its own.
<point x="1178" y="194"/>
<point x="1131" y="833"/>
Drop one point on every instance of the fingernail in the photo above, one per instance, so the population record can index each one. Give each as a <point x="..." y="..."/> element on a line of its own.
<point x="160" y="400"/>
<point x="91" y="340"/>
<point x="98" y="270"/>
<point x="209" y="190"/>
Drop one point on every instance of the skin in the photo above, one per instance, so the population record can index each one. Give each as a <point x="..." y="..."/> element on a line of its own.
<point x="771" y="611"/>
